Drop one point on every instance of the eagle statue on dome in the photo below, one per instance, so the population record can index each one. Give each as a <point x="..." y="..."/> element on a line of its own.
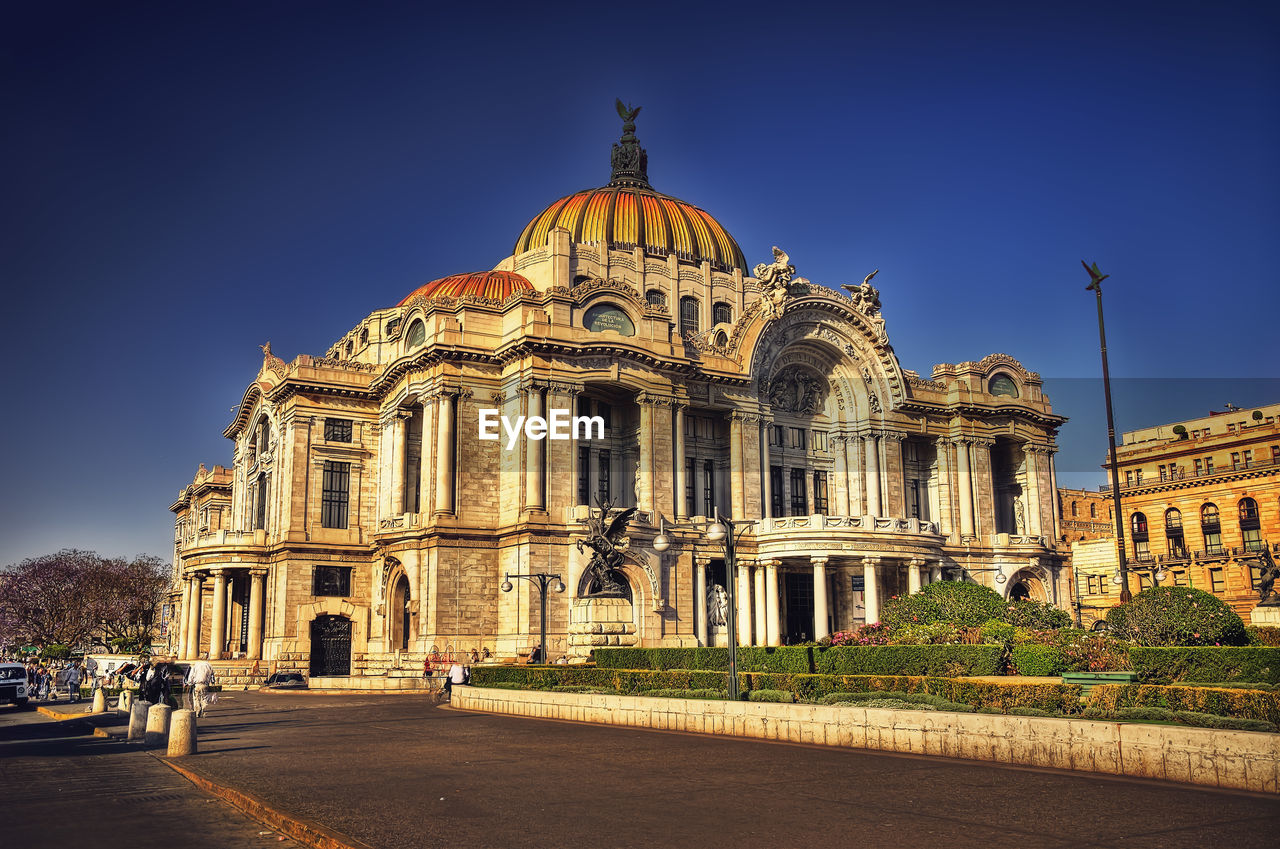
<point x="628" y="115"/>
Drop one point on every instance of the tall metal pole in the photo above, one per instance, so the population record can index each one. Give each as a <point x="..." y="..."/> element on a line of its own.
<point x="1096" y="286"/>
<point x="542" y="588"/>
<point x="731" y="564"/>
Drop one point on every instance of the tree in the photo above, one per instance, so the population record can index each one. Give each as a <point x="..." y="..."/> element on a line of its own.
<point x="73" y="595"/>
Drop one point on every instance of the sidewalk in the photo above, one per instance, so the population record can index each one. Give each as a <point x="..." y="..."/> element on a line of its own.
<point x="402" y="774"/>
<point x="64" y="787"/>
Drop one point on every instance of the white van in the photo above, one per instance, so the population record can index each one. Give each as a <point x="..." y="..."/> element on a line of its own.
<point x="13" y="684"/>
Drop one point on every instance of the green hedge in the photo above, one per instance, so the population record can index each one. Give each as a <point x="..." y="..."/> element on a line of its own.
<point x="1245" y="704"/>
<point x="1207" y="664"/>
<point x="940" y="660"/>
<point x="1032" y="659"/>
<point x="1001" y="696"/>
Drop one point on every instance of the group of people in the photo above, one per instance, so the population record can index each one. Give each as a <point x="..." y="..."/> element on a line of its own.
<point x="46" y="680"/>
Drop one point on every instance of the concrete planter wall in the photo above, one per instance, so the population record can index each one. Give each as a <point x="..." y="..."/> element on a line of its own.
<point x="1244" y="760"/>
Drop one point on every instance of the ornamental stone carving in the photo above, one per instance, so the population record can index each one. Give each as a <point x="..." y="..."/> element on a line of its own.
<point x="797" y="390"/>
<point x="775" y="278"/>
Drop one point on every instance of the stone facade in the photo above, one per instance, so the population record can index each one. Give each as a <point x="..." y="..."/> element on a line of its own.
<point x="363" y="512"/>
<point x="1200" y="500"/>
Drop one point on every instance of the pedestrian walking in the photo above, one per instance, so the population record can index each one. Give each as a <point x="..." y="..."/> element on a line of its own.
<point x="200" y="676"/>
<point x="73" y="683"/>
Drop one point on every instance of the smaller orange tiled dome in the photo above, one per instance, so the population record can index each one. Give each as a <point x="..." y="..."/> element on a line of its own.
<point x="498" y="285"/>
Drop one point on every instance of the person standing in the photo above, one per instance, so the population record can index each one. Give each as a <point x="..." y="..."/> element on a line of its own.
<point x="200" y="676"/>
<point x="73" y="684"/>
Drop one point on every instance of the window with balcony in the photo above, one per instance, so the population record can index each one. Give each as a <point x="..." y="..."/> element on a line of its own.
<point x="1093" y="511"/>
<point x="1075" y="509"/>
<point x="1173" y="533"/>
<point x="337" y="430"/>
<point x="1211" y="527"/>
<point x="1247" y="455"/>
<point x="1199" y="467"/>
<point x="721" y="313"/>
<point x="1208" y="465"/>
<point x="1164" y="472"/>
<point x="1235" y="459"/>
<point x="335" y="494"/>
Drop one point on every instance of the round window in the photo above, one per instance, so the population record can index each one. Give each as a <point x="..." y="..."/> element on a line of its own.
<point x="1002" y="384"/>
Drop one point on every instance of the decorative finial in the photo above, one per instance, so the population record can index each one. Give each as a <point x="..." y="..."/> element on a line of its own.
<point x="629" y="160"/>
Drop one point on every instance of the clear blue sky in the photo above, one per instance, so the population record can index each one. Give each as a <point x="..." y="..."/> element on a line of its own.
<point x="184" y="182"/>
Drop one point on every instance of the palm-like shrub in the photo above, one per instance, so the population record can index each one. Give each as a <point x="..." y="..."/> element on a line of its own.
<point x="1176" y="616"/>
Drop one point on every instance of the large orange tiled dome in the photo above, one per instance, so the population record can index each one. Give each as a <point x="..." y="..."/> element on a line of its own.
<point x="627" y="213"/>
<point x="484" y="284"/>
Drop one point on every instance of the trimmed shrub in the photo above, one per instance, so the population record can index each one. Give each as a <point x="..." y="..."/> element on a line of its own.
<point x="1035" y="614"/>
<point x="55" y="651"/>
<point x="687" y="694"/>
<point x="1261" y="705"/>
<point x="771" y="696"/>
<point x="1037" y="660"/>
<point x="875" y="634"/>
<point x="948" y="660"/>
<point x="1226" y="723"/>
<point x="1176" y="616"/>
<point x="895" y="704"/>
<point x="959" y="603"/>
<point x="1263" y="635"/>
<point x="1029" y="711"/>
<point x="1207" y="663"/>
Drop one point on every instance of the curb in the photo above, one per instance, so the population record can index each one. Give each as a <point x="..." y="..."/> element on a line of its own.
<point x="50" y="712"/>
<point x="304" y="831"/>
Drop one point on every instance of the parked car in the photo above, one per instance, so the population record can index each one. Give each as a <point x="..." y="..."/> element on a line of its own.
<point x="287" y="681"/>
<point x="13" y="684"/>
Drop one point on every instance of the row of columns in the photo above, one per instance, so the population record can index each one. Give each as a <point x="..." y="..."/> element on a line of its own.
<point x="758" y="614"/>
<point x="438" y="440"/>
<point x="192" y="613"/>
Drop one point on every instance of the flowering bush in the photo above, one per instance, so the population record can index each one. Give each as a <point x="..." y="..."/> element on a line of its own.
<point x="1035" y="614"/>
<point x="1177" y="616"/>
<point x="1263" y="635"/>
<point x="938" y="633"/>
<point x="877" y="634"/>
<point x="1086" y="651"/>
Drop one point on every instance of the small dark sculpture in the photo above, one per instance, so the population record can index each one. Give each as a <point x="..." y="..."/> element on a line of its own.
<point x="607" y="544"/>
<point x="1267" y="595"/>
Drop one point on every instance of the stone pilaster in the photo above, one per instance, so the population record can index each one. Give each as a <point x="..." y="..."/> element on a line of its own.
<point x="773" y="630"/>
<point x="257" y="579"/>
<point x="964" y="473"/>
<point x="872" y="474"/>
<point x="871" y="588"/>
<point x="700" y="598"/>
<point x="820" y="610"/>
<point x="218" y="621"/>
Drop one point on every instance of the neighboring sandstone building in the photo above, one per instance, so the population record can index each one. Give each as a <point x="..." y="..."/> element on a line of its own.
<point x="365" y="521"/>
<point x="1200" y="500"/>
<point x="1085" y="514"/>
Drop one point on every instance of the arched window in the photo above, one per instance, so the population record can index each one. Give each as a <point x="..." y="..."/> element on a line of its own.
<point x="1075" y="509"/>
<point x="1174" y="538"/>
<point x="1211" y="528"/>
<point x="1139" y="524"/>
<point x="721" y="313"/>
<point x="1250" y="528"/>
<point x="688" y="315"/>
<point x="655" y="298"/>
<point x="351" y="348"/>
<point x="364" y="336"/>
<point x="1002" y="384"/>
<point x="416" y="336"/>
<point x="1093" y="511"/>
<point x="1141" y="545"/>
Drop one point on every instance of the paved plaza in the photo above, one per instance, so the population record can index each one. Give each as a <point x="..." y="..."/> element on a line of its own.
<point x="396" y="771"/>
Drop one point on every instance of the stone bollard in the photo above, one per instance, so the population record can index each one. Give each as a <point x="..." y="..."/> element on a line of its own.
<point x="124" y="702"/>
<point x="138" y="720"/>
<point x="182" y="733"/>
<point x="99" y="701"/>
<point x="158" y="725"/>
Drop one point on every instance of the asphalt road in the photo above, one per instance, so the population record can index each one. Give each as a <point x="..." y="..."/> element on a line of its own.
<point x="395" y="771"/>
<point x="61" y="786"/>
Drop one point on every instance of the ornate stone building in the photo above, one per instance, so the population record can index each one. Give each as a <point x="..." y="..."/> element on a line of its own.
<point x="1200" y="500"/>
<point x="365" y="520"/>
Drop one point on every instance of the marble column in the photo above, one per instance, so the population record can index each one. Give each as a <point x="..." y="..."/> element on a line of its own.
<point x="700" y="598"/>
<point x="913" y="575"/>
<point x="257" y="578"/>
<point x="840" y="497"/>
<point x="737" y="465"/>
<point x="743" y="606"/>
<point x="935" y="572"/>
<point x="870" y="589"/>
<point x="873" y="475"/>
<point x="184" y="623"/>
<point x="760" y="627"/>
<point x="682" y="482"/>
<point x="965" y="476"/>
<point x="1053" y="488"/>
<point x="773" y="633"/>
<point x="766" y="471"/>
<point x="218" y="620"/>
<point x="445" y="452"/>
<point x="852" y="450"/>
<point x="535" y="459"/>
<point x="197" y="610"/>
<point x="946" y="515"/>
<point x="1029" y="453"/>
<point x="645" y="487"/>
<point x="397" y="463"/>
<point x="820" y="612"/>
<point x="426" y="468"/>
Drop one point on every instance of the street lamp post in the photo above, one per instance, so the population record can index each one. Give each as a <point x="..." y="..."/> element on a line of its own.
<point x="543" y="580"/>
<point x="725" y="532"/>
<point x="1096" y="277"/>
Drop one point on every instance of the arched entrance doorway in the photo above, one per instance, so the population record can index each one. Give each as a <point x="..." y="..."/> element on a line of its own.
<point x="1025" y="586"/>
<point x="330" y="646"/>
<point x="399" y="615"/>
